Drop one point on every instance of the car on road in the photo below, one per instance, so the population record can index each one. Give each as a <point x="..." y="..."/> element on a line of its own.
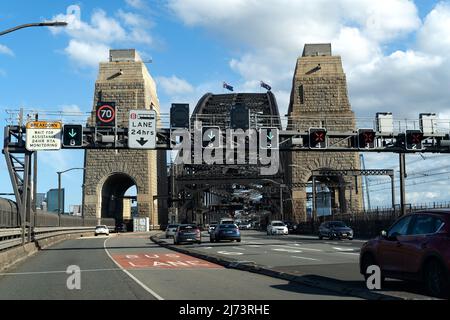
<point x="225" y="232"/>
<point x="226" y="221"/>
<point x="171" y="230"/>
<point x="211" y="227"/>
<point x="101" y="229"/>
<point x="335" y="229"/>
<point x="187" y="233"/>
<point x="416" y="247"/>
<point x="277" y="227"/>
<point x="120" y="227"/>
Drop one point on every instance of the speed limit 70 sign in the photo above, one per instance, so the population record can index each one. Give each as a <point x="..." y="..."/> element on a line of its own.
<point x="106" y="114"/>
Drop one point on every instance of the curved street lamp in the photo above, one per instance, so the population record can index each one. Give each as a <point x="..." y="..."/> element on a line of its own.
<point x="38" y="24"/>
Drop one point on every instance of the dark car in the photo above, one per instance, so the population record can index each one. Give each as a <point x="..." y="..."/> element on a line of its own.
<point x="290" y="225"/>
<point x="416" y="247"/>
<point x="121" y="227"/>
<point x="225" y="232"/>
<point x="335" y="229"/>
<point x="187" y="233"/>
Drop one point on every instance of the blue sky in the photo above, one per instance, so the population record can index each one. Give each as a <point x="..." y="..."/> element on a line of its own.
<point x="395" y="54"/>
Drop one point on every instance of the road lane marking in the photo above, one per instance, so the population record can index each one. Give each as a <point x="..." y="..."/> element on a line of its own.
<point x="297" y="257"/>
<point x="153" y="293"/>
<point x="343" y="249"/>
<point x="287" y="250"/>
<point x="301" y="248"/>
<point x="230" y="253"/>
<point x="54" y="272"/>
<point x="352" y="253"/>
<point x="162" y="260"/>
<point x="237" y="248"/>
<point x="254" y="246"/>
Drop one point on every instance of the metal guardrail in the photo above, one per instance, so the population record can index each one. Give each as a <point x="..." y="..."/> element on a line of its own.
<point x="10" y="238"/>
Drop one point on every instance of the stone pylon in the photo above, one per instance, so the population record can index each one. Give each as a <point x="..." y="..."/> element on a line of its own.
<point x="126" y="81"/>
<point x="319" y="98"/>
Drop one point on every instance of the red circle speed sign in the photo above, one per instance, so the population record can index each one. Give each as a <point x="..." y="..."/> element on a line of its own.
<point x="106" y="114"/>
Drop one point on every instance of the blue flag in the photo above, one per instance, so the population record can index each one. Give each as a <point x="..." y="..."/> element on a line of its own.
<point x="227" y="86"/>
<point x="266" y="86"/>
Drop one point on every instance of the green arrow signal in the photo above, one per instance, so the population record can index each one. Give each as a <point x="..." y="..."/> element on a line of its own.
<point x="211" y="135"/>
<point x="72" y="133"/>
<point x="270" y="136"/>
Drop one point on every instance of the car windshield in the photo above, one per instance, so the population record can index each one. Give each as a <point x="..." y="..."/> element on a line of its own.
<point x="337" y="224"/>
<point x="188" y="228"/>
<point x="278" y="224"/>
<point x="228" y="226"/>
<point x="172" y="226"/>
<point x="213" y="225"/>
<point x="100" y="227"/>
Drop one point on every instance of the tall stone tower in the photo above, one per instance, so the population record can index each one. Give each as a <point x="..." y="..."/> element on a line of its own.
<point x="126" y="81"/>
<point x="319" y="98"/>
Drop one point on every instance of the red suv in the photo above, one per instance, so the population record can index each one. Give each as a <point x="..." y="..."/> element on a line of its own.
<point x="416" y="247"/>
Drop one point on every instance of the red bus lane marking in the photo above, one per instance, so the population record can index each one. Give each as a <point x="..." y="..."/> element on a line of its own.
<point x="162" y="261"/>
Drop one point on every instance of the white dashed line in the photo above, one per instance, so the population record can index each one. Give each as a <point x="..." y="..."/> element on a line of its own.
<point x="305" y="258"/>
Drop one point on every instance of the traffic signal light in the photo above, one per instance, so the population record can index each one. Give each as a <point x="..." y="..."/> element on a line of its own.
<point x="414" y="140"/>
<point x="366" y="139"/>
<point x="73" y="136"/>
<point x="239" y="117"/>
<point x="179" y="115"/>
<point x="318" y="138"/>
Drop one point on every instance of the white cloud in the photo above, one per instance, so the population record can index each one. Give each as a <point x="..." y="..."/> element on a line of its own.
<point x="90" y="41"/>
<point x="87" y="54"/>
<point x="266" y="37"/>
<point x="5" y="50"/>
<point x="174" y="85"/>
<point x="434" y="36"/>
<point x="137" y="4"/>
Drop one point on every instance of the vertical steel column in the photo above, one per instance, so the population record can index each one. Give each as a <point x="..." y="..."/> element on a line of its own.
<point x="25" y="195"/>
<point x="402" y="183"/>
<point x="313" y="213"/>
<point x="393" y="191"/>
<point x="59" y="198"/>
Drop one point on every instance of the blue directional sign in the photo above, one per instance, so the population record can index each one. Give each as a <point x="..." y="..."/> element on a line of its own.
<point x="73" y="136"/>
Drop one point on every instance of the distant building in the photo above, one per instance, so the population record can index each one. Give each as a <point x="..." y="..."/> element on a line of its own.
<point x="52" y="200"/>
<point x="40" y="199"/>
<point x="75" y="210"/>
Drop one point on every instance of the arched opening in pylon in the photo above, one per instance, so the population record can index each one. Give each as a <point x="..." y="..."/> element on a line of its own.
<point x="119" y="197"/>
<point x="328" y="198"/>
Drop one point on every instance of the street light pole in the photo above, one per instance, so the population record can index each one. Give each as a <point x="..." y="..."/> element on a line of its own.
<point x="39" y="24"/>
<point x="60" y="207"/>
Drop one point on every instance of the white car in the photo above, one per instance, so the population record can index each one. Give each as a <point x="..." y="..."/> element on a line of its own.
<point x="277" y="227"/>
<point x="102" y="229"/>
<point x="171" y="230"/>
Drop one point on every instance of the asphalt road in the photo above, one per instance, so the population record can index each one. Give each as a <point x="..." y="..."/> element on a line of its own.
<point x="304" y="255"/>
<point x="130" y="266"/>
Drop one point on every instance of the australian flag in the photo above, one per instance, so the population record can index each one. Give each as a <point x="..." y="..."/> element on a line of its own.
<point x="227" y="86"/>
<point x="266" y="86"/>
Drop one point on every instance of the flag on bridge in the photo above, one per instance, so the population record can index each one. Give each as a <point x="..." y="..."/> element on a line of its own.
<point x="265" y="86"/>
<point x="227" y="86"/>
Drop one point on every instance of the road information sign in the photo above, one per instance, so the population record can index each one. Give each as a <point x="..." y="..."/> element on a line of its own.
<point x="43" y="135"/>
<point x="142" y="129"/>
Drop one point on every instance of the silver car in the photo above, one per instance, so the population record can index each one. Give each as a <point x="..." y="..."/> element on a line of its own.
<point x="171" y="230"/>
